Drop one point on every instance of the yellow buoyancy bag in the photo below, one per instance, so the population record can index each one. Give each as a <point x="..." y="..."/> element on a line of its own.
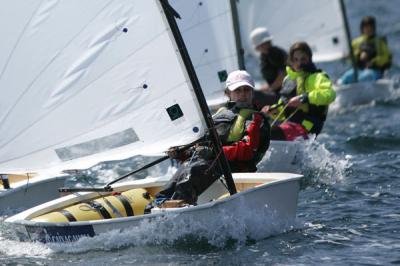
<point x="128" y="203"/>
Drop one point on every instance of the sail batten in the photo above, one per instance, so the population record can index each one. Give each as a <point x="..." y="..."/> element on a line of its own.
<point x="115" y="87"/>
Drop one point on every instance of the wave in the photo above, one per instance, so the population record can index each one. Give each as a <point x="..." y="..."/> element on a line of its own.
<point x="368" y="143"/>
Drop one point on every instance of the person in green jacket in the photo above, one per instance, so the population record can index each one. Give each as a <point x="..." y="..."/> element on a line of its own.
<point x="371" y="53"/>
<point x="306" y="94"/>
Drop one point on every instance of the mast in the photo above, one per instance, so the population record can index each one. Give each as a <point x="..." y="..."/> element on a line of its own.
<point x="348" y="35"/>
<point x="223" y="162"/>
<point x="236" y="30"/>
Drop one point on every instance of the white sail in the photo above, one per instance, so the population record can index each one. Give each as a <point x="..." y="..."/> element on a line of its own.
<point x="318" y="22"/>
<point x="89" y="81"/>
<point x="207" y="29"/>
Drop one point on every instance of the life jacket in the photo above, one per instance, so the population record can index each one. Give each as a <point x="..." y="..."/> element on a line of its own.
<point x="231" y="123"/>
<point x="310" y="116"/>
<point x="369" y="47"/>
<point x="375" y="47"/>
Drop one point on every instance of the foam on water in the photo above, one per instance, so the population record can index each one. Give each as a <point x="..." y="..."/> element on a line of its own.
<point x="217" y="231"/>
<point x="311" y="158"/>
<point x="9" y="247"/>
<point x="325" y="166"/>
<point x="13" y="248"/>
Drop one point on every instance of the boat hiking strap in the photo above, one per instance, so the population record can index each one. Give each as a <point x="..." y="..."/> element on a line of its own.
<point x="68" y="215"/>
<point x="114" y="210"/>
<point x="127" y="205"/>
<point x="100" y="208"/>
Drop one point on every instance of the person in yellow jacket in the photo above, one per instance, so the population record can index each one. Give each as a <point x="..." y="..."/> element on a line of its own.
<point x="306" y="95"/>
<point x="371" y="53"/>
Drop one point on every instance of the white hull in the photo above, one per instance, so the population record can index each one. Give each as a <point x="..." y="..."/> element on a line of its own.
<point x="29" y="193"/>
<point x="364" y="93"/>
<point x="275" y="197"/>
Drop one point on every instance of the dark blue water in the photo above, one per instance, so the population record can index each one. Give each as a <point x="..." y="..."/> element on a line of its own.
<point x="348" y="210"/>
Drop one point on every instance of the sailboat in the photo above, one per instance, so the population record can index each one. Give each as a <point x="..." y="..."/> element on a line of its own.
<point x="137" y="90"/>
<point x="323" y="25"/>
<point x="218" y="52"/>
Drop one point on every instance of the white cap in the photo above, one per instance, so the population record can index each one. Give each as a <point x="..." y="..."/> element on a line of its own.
<point x="259" y="36"/>
<point x="239" y="78"/>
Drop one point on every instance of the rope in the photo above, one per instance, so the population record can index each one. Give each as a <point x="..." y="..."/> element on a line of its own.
<point x="222" y="180"/>
<point x="213" y="162"/>
<point x="280" y="113"/>
<point x="290" y="116"/>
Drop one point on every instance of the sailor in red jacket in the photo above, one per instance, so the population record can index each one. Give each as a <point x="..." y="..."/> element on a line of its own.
<point x="245" y="135"/>
<point x="244" y="132"/>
